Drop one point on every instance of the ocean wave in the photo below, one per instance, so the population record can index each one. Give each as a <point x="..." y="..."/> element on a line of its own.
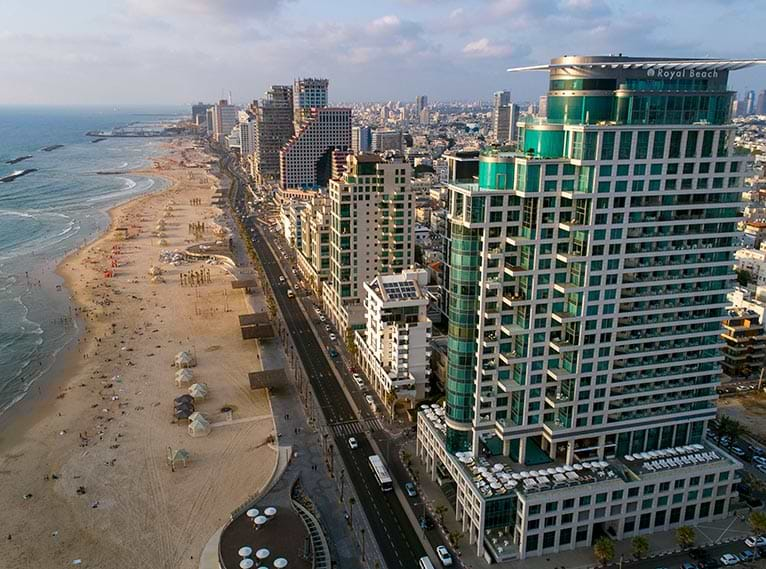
<point x="129" y="183"/>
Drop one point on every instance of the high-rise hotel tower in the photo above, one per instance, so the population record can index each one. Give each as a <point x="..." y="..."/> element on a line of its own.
<point x="588" y="274"/>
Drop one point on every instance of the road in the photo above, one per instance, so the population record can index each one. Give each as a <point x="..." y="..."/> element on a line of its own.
<point x="398" y="542"/>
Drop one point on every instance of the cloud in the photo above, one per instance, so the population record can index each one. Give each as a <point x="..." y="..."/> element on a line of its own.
<point x="485" y="48"/>
<point x="225" y="9"/>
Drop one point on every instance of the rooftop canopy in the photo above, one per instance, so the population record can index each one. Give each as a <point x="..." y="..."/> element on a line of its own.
<point x="611" y="62"/>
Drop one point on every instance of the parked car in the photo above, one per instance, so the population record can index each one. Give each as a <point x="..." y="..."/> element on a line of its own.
<point x="333" y="337"/>
<point x="729" y="559"/>
<point x="409" y="487"/>
<point x="352" y="443"/>
<point x="756" y="541"/>
<point x="761" y="467"/>
<point x="444" y="555"/>
<point x="358" y="380"/>
<point x="758" y="459"/>
<point x="738" y="451"/>
<point x="688" y="565"/>
<point x="321" y="318"/>
<point x="370" y="401"/>
<point x="747" y="555"/>
<point x="332" y="352"/>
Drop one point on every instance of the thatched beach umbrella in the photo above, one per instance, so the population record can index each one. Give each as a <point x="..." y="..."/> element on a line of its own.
<point x="198" y="391"/>
<point x="199" y="427"/>
<point x="184" y="399"/>
<point x="184" y="375"/>
<point x="184" y="360"/>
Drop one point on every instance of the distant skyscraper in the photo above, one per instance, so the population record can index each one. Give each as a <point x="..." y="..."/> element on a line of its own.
<point x="749" y="103"/>
<point x="273" y="128"/>
<point x="505" y="116"/>
<point x="198" y="113"/>
<point x="246" y="133"/>
<point x="421" y="103"/>
<point x="383" y="140"/>
<point x="542" y="107"/>
<point x="361" y="139"/>
<point x="760" y="105"/>
<point x="308" y="94"/>
<point x="224" y="119"/>
<point x="306" y="160"/>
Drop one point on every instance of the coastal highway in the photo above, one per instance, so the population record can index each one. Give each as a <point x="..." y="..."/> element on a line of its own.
<point x="394" y="534"/>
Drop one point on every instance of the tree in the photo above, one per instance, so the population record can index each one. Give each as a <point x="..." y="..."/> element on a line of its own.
<point x="639" y="546"/>
<point x="757" y="521"/>
<point x="744" y="277"/>
<point x="455" y="537"/>
<point x="685" y="536"/>
<point x="603" y="549"/>
<point x="440" y="510"/>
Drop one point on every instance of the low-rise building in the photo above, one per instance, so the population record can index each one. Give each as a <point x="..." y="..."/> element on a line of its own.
<point x="393" y="348"/>
<point x="744" y="353"/>
<point x="754" y="262"/>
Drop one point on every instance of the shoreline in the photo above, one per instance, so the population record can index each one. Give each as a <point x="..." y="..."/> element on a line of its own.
<point x="83" y="469"/>
<point x="41" y="396"/>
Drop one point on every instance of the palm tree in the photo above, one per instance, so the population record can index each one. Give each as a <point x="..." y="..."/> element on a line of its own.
<point x="455" y="537"/>
<point x="351" y="502"/>
<point x="440" y="510"/>
<point x="640" y="546"/>
<point x="757" y="521"/>
<point x="603" y="549"/>
<point x="685" y="536"/>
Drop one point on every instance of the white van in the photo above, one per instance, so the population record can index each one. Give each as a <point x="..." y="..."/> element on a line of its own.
<point x="425" y="563"/>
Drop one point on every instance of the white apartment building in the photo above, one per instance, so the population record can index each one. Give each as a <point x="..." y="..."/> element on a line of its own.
<point x="371" y="232"/>
<point x="225" y="117"/>
<point x="306" y="159"/>
<point x="393" y="348"/>
<point x="246" y="134"/>
<point x="753" y="261"/>
<point x="314" y="253"/>
<point x="292" y="226"/>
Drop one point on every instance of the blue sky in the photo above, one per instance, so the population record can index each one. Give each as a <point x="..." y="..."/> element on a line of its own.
<point x="177" y="51"/>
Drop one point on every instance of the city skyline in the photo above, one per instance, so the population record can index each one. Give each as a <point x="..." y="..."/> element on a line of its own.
<point x="138" y="52"/>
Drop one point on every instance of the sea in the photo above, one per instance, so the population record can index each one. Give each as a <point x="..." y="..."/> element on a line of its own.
<point x="50" y="212"/>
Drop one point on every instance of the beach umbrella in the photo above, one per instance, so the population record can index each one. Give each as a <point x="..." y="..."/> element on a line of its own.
<point x="262" y="553"/>
<point x="252" y="513"/>
<point x="270" y="511"/>
<point x="184" y="399"/>
<point x="246" y="564"/>
<point x="184" y="359"/>
<point x="260" y="520"/>
<point x="197" y="391"/>
<point x="280" y="563"/>
<point x="197" y="415"/>
<point x="184" y="375"/>
<point x="245" y="551"/>
<point x="182" y="413"/>
<point x="199" y="428"/>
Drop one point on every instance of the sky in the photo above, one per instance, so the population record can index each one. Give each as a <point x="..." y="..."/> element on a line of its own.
<point x="178" y="51"/>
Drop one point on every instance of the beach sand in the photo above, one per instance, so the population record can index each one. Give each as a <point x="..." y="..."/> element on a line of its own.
<point x="86" y="476"/>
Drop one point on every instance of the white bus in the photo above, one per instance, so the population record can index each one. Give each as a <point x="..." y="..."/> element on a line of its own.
<point x="380" y="472"/>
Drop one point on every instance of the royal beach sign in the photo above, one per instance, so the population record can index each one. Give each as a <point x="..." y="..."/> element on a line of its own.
<point x="687" y="73"/>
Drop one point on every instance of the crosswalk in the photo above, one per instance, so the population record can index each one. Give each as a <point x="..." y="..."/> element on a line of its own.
<point x="348" y="428"/>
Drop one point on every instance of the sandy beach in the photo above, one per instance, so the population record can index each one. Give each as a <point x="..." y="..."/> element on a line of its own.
<point x="84" y="475"/>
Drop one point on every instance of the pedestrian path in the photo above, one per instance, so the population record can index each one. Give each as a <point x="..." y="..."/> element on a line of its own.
<point x="347" y="428"/>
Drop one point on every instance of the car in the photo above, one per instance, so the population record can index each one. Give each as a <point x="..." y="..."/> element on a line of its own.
<point x="332" y="337"/>
<point x="370" y="400"/>
<point x="321" y="318"/>
<point x="729" y="559"/>
<point x="688" y="565"/>
<point x="738" y="451"/>
<point x="352" y="443"/>
<point x="742" y="388"/>
<point x="758" y="459"/>
<point x="444" y="556"/>
<point x="358" y="380"/>
<point x="327" y="327"/>
<point x="756" y="541"/>
<point x="332" y="352"/>
<point x="747" y="555"/>
<point x="409" y="487"/>
<point x="316" y="309"/>
<point x="761" y="468"/>
<point x="281" y="279"/>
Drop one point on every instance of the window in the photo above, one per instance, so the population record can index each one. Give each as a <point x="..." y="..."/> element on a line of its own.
<point x="626" y="143"/>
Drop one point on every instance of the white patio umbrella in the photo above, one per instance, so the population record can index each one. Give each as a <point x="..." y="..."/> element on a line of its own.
<point x="246" y="564"/>
<point x="270" y="511"/>
<point x="260" y="520"/>
<point x="262" y="553"/>
<point x="280" y="563"/>
<point x="245" y="551"/>
<point x="252" y="513"/>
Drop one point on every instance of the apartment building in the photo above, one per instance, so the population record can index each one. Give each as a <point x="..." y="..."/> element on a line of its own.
<point x="393" y="348"/>
<point x="314" y="254"/>
<point x="371" y="232"/>
<point x="272" y="130"/>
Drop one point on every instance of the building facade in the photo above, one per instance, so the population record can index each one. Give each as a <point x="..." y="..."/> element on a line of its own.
<point x="306" y="159"/>
<point x="308" y="94"/>
<point x="361" y="139"/>
<point x="586" y="287"/>
<point x="393" y="348"/>
<point x="371" y="232"/>
<point x="273" y="129"/>
<point x="199" y="113"/>
<point x="225" y="117"/>
<point x="384" y="139"/>
<point x="744" y="351"/>
<point x="314" y="254"/>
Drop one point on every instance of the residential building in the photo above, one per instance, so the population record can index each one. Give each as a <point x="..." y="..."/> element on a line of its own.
<point x="384" y="139"/>
<point x="760" y="105"/>
<point x="209" y="120"/>
<point x="273" y="129"/>
<point x="292" y="226"/>
<point x="462" y="165"/>
<point x="393" y="348"/>
<point x="500" y="116"/>
<point x="752" y="301"/>
<point x="225" y="117"/>
<point x="749" y="103"/>
<point x="744" y="352"/>
<point x="372" y="220"/>
<point x="361" y="139"/>
<point x="587" y="285"/>
<point x="421" y="102"/>
<point x="314" y="254"/>
<point x="754" y="262"/>
<point x="246" y="133"/>
<point x="308" y="94"/>
<point x="306" y="159"/>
